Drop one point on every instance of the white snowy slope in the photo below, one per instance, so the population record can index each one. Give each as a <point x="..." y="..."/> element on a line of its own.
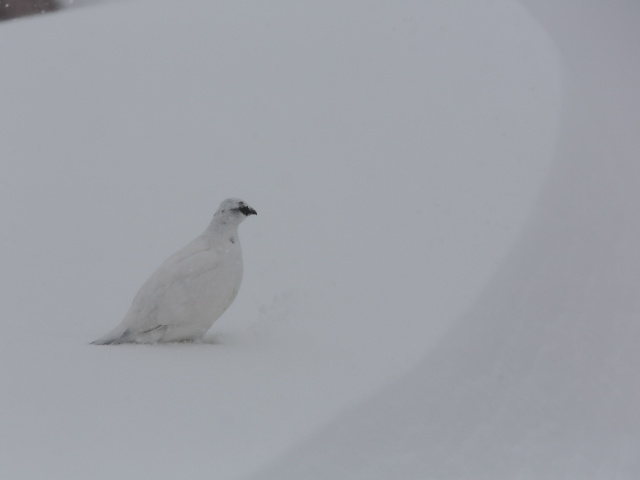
<point x="395" y="150"/>
<point x="192" y="288"/>
<point x="539" y="379"/>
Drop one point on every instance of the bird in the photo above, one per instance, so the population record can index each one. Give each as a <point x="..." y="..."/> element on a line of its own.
<point x="192" y="288"/>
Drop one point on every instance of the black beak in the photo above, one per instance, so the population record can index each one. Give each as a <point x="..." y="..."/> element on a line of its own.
<point x="246" y="210"/>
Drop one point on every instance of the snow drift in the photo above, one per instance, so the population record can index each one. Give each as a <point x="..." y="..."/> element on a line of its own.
<point x="395" y="152"/>
<point x="538" y="380"/>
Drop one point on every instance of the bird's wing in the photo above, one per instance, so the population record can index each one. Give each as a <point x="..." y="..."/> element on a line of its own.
<point x="167" y="283"/>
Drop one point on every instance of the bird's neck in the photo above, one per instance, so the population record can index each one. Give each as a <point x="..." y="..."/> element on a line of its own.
<point x="222" y="229"/>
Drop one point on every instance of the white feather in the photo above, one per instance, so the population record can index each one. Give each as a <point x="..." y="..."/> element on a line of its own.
<point x="192" y="288"/>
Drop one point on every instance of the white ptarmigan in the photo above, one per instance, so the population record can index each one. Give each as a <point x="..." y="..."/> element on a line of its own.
<point x="192" y="288"/>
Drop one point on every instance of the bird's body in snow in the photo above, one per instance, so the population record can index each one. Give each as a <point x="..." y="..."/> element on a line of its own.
<point x="192" y="288"/>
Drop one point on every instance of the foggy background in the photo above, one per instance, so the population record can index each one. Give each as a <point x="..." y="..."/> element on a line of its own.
<point x="442" y="267"/>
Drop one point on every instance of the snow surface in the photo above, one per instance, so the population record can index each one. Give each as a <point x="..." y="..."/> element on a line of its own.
<point x="394" y="152"/>
<point x="538" y="380"/>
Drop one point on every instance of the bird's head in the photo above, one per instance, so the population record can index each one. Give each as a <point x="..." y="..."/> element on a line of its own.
<point x="233" y="209"/>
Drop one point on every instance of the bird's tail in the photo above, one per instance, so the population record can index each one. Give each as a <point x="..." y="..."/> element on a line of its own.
<point x="114" y="337"/>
